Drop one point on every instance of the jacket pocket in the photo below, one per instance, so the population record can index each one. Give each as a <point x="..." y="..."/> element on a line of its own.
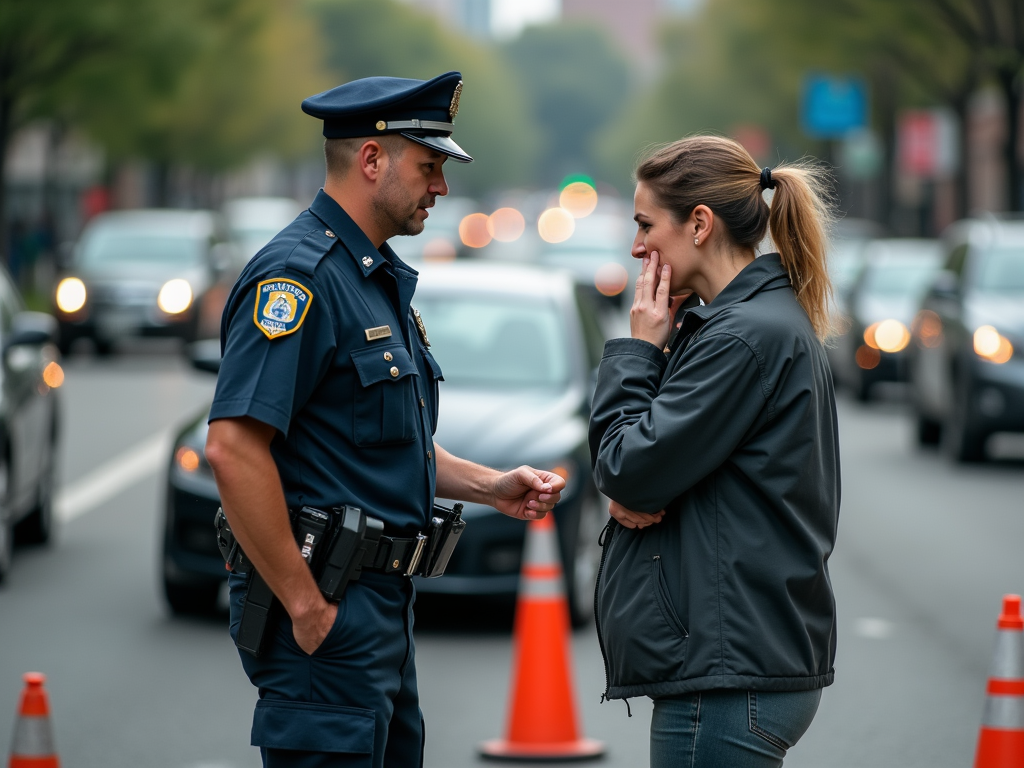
<point x="664" y="600"/>
<point x="645" y="642"/>
<point x="313" y="727"/>
<point x="384" y="406"/>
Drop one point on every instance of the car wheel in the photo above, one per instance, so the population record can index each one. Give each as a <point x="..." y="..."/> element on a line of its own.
<point x="962" y="440"/>
<point x="6" y="530"/>
<point x="37" y="527"/>
<point x="929" y="431"/>
<point x="582" y="580"/>
<point x="191" y="599"/>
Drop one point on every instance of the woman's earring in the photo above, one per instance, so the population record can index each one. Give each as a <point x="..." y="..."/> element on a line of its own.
<point x="696" y="241"/>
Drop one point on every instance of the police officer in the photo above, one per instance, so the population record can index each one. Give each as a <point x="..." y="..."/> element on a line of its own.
<point x="327" y="395"/>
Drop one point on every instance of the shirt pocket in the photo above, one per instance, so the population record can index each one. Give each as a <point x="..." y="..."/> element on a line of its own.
<point x="436" y="377"/>
<point x="384" y="403"/>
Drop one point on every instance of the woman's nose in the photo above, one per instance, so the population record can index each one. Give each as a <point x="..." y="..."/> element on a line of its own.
<point x="639" y="249"/>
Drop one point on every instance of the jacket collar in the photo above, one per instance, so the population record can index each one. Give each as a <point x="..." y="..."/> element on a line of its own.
<point x="751" y="279"/>
<point x="366" y="257"/>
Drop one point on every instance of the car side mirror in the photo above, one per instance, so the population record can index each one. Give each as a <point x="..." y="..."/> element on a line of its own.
<point x="205" y="355"/>
<point x="945" y="286"/>
<point x="32" y="329"/>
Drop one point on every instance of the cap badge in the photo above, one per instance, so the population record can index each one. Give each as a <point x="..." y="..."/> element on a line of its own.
<point x="453" y="110"/>
<point x="381" y="125"/>
<point x="367" y="262"/>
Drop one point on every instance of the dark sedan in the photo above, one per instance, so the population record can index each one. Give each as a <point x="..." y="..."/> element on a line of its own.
<point x="518" y="347"/>
<point x="967" y="362"/>
<point x="30" y="371"/>
<point x="880" y="306"/>
<point x="145" y="273"/>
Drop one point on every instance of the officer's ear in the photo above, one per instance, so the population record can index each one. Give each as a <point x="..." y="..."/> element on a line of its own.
<point x="369" y="160"/>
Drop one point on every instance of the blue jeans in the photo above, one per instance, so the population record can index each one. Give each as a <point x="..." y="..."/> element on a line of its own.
<point x="729" y="729"/>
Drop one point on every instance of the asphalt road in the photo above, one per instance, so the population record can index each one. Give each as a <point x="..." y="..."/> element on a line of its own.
<point x="925" y="552"/>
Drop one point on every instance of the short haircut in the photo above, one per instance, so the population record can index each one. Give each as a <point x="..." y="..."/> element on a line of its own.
<point x="340" y="152"/>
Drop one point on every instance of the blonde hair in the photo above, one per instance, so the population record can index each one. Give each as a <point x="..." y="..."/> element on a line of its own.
<point x="721" y="174"/>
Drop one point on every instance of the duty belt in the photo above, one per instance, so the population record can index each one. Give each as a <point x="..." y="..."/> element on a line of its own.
<point x="339" y="544"/>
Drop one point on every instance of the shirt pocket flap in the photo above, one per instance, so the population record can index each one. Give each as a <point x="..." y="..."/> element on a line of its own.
<point x="312" y="727"/>
<point x="435" y="369"/>
<point x="374" y="365"/>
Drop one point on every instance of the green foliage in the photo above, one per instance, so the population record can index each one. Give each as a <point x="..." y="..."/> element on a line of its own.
<point x="384" y="37"/>
<point x="575" y="81"/>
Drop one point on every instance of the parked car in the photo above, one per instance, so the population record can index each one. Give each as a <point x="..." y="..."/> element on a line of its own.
<point x="30" y="373"/>
<point x="144" y="273"/>
<point x="518" y="346"/>
<point x="967" y="356"/>
<point x="880" y="307"/>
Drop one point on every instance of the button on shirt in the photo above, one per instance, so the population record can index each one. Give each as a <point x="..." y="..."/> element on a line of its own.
<point x="320" y="342"/>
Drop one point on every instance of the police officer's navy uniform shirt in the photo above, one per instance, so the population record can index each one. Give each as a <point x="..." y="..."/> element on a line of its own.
<point x="305" y="350"/>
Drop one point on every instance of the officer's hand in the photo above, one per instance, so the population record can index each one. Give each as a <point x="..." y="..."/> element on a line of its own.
<point x="630" y="519"/>
<point x="526" y="493"/>
<point x="650" y="317"/>
<point x="311" y="629"/>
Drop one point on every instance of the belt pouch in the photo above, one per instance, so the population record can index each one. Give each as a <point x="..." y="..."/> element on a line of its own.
<point x="446" y="527"/>
<point x="258" y="614"/>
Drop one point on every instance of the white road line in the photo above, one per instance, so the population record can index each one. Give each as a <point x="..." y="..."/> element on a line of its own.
<point x="109" y="479"/>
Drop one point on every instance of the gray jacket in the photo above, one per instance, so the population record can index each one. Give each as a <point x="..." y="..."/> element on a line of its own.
<point x="734" y="434"/>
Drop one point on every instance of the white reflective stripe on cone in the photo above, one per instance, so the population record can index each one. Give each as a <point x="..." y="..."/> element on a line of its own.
<point x="1005" y="712"/>
<point x="1008" y="658"/>
<point x="542" y="586"/>
<point x="541" y="546"/>
<point x="33" y="737"/>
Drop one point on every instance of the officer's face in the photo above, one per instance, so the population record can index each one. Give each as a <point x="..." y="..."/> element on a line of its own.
<point x="411" y="183"/>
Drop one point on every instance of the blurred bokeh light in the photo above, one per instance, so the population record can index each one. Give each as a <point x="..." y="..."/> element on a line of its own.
<point x="473" y="230"/>
<point x="579" y="198"/>
<point x="556" y="225"/>
<point x="506" y="225"/>
<point x="611" y="279"/>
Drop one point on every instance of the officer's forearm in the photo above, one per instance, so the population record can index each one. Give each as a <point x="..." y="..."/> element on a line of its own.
<point x="463" y="480"/>
<point x="250" y="490"/>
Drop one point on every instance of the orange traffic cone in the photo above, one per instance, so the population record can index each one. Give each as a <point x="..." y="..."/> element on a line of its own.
<point x="542" y="724"/>
<point x="1001" y="741"/>
<point x="33" y="738"/>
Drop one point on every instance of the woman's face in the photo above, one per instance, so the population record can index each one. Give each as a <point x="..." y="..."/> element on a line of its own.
<point x="658" y="231"/>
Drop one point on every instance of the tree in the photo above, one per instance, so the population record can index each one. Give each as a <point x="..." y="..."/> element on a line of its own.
<point x="364" y="38"/>
<point x="575" y="81"/>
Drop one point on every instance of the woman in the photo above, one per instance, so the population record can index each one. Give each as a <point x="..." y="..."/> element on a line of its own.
<point x="715" y="436"/>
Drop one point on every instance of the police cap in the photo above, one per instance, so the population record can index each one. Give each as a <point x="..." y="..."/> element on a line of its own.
<point x="420" y="110"/>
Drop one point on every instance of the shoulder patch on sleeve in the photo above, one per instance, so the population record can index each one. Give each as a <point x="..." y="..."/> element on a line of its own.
<point x="281" y="306"/>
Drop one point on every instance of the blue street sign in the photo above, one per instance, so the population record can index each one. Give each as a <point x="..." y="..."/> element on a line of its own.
<point x="832" y="106"/>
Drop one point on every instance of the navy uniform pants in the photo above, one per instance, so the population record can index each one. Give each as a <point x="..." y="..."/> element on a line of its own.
<point x="353" y="703"/>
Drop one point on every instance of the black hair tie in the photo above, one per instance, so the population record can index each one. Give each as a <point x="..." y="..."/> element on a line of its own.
<point x="766" y="179"/>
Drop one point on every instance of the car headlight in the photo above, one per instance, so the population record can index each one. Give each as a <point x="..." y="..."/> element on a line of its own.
<point x="70" y="295"/>
<point x="991" y="345"/>
<point x="175" y="296"/>
<point x="191" y="461"/>
<point x="887" y="336"/>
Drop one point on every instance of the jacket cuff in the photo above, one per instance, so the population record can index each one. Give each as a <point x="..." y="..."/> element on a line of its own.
<point x="637" y="348"/>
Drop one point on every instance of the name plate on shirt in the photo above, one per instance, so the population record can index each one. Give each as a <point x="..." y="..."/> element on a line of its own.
<point x="380" y="332"/>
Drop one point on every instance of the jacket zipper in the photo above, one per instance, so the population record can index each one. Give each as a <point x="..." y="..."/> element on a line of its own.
<point x="602" y="540"/>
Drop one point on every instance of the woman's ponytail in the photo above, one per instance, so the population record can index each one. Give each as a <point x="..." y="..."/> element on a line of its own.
<point x="799" y="222"/>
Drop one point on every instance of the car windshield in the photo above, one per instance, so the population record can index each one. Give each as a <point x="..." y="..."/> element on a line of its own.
<point x="497" y="342"/>
<point x="117" y="246"/>
<point x="1002" y="269"/>
<point x="899" y="278"/>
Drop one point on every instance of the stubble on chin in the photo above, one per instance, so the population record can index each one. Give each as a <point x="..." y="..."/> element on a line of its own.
<point x="391" y="209"/>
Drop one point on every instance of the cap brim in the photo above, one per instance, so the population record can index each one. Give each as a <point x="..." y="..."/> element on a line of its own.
<point x="443" y="144"/>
